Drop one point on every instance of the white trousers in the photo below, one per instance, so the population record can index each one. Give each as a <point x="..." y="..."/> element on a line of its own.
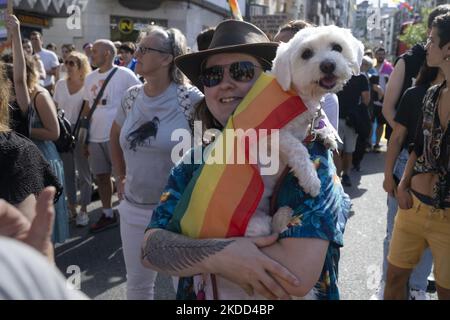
<point x="140" y="280"/>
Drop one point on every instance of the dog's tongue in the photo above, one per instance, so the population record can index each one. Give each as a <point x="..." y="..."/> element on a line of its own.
<point x="328" y="82"/>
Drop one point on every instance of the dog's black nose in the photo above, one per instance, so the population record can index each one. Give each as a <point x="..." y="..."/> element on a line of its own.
<point x="327" y="66"/>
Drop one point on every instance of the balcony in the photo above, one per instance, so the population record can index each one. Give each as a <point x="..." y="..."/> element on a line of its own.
<point x="146" y="5"/>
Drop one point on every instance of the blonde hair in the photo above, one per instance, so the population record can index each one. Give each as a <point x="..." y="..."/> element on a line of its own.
<point x="82" y="62"/>
<point x="32" y="73"/>
<point x="5" y="91"/>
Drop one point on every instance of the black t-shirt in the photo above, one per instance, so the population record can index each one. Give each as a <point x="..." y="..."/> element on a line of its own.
<point x="410" y="110"/>
<point x="414" y="59"/>
<point x="24" y="170"/>
<point x="349" y="96"/>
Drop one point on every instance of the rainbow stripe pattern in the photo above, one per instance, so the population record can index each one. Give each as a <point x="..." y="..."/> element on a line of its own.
<point x="235" y="11"/>
<point x="221" y="198"/>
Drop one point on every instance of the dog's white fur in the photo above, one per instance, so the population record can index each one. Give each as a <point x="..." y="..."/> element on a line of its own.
<point x="303" y="75"/>
<point x="294" y="72"/>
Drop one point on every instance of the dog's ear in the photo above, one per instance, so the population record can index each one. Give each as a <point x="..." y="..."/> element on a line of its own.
<point x="358" y="52"/>
<point x="282" y="66"/>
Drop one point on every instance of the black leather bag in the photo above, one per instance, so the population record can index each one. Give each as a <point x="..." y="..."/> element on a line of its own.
<point x="359" y="119"/>
<point x="66" y="139"/>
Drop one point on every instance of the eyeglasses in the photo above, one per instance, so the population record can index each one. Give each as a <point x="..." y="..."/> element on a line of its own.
<point x="70" y="63"/>
<point x="241" y="71"/>
<point x="144" y="50"/>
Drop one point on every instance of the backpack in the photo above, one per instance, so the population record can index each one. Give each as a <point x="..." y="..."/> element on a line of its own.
<point x="66" y="140"/>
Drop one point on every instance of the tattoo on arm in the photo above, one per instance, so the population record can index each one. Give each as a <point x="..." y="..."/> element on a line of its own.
<point x="173" y="252"/>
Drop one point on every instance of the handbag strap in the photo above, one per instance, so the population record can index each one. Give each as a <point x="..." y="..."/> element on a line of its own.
<point x="77" y="123"/>
<point x="100" y="94"/>
<point x="34" y="105"/>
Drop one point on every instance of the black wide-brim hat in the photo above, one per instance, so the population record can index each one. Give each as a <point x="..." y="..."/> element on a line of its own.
<point x="230" y="36"/>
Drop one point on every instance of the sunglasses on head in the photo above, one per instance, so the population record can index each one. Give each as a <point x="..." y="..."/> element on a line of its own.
<point x="70" y="63"/>
<point x="241" y="71"/>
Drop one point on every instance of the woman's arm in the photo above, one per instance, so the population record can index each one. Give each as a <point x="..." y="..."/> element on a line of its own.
<point x="237" y="259"/>
<point x="396" y="140"/>
<point x="393" y="91"/>
<point x="118" y="162"/>
<point x="47" y="113"/>
<point x="304" y="257"/>
<point x="403" y="195"/>
<point x="379" y="90"/>
<point x="19" y="71"/>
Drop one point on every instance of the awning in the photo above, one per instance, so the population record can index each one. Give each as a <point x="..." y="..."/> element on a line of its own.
<point x="48" y="8"/>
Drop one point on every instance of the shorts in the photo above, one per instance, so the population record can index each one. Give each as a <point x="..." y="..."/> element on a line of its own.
<point x="378" y="115"/>
<point x="348" y="135"/>
<point x="417" y="228"/>
<point x="100" y="157"/>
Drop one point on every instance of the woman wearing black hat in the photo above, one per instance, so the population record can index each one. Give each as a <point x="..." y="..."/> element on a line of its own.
<point x="302" y="257"/>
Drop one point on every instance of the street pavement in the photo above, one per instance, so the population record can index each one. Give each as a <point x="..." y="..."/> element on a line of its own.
<point x="99" y="256"/>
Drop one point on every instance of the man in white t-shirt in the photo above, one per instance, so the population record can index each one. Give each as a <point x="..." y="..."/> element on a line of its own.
<point x="103" y="53"/>
<point x="48" y="58"/>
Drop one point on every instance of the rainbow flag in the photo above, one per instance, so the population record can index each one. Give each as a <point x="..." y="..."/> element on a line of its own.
<point x="235" y="11"/>
<point x="221" y="198"/>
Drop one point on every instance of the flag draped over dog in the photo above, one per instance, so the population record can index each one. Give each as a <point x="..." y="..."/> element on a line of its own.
<point x="221" y="198"/>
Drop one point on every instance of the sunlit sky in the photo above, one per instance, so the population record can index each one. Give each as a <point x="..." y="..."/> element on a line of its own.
<point x="375" y="2"/>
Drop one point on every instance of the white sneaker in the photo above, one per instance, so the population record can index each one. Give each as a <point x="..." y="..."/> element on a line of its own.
<point x="82" y="219"/>
<point x="418" y="295"/>
<point x="379" y="294"/>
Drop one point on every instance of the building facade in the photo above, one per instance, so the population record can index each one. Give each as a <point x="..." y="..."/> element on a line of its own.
<point x="269" y="15"/>
<point x="81" y="21"/>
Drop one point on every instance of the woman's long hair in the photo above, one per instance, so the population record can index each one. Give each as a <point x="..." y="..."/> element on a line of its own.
<point x="32" y="73"/>
<point x="426" y="75"/>
<point x="5" y="90"/>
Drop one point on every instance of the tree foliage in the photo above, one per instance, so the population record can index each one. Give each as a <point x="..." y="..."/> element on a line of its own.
<point x="416" y="32"/>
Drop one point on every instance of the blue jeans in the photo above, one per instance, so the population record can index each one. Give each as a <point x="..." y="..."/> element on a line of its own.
<point x="419" y="276"/>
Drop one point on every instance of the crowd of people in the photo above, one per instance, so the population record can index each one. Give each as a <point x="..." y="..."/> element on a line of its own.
<point x="123" y="102"/>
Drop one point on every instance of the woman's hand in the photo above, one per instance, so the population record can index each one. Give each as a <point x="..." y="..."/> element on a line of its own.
<point x="404" y="197"/>
<point x="12" y="24"/>
<point x="37" y="234"/>
<point x="243" y="263"/>
<point x="389" y="185"/>
<point x="120" y="183"/>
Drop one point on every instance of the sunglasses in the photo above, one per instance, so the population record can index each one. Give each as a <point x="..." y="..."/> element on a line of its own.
<point x="70" y="63"/>
<point x="241" y="71"/>
<point x="144" y="50"/>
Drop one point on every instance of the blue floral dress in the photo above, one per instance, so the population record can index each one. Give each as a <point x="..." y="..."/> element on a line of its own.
<point x="48" y="150"/>
<point x="322" y="217"/>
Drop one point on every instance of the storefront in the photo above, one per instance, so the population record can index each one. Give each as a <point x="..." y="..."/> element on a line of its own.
<point x="38" y="14"/>
<point x="128" y="28"/>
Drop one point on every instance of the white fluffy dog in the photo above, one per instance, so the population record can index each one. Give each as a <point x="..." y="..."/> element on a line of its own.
<point x="314" y="62"/>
